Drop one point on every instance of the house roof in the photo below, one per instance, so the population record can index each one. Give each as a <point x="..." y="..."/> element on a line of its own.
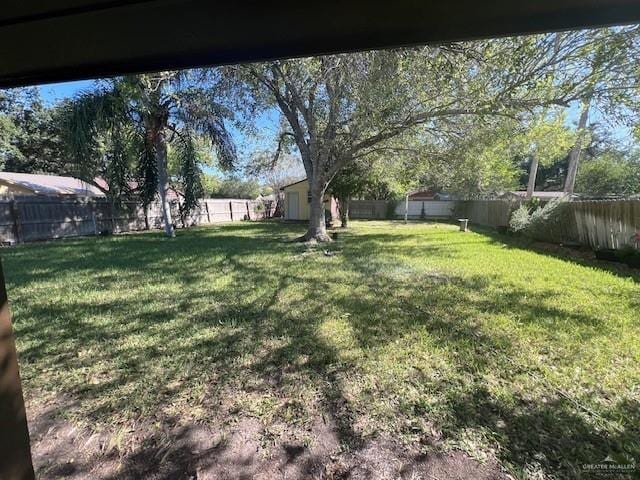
<point x="41" y="184"/>
<point x="172" y="192"/>
<point x="424" y="193"/>
<point x="523" y="194"/>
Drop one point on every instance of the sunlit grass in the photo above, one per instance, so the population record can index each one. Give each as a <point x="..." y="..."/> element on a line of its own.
<point x="420" y="331"/>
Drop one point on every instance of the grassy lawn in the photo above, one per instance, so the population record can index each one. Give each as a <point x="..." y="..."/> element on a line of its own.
<point x="431" y="336"/>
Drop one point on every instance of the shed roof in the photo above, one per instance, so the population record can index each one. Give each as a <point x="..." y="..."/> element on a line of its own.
<point x="423" y="193"/>
<point x="293" y="183"/>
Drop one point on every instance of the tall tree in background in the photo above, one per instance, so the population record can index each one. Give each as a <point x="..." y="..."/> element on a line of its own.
<point x="8" y="131"/>
<point x="130" y="123"/>
<point x="576" y="150"/>
<point x="607" y="64"/>
<point x="545" y="141"/>
<point x="343" y="107"/>
<point x="30" y="133"/>
<point x="610" y="174"/>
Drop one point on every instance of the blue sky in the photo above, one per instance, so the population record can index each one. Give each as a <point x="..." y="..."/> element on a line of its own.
<point x="58" y="91"/>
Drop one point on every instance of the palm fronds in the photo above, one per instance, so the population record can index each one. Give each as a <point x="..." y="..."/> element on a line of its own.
<point x="113" y="132"/>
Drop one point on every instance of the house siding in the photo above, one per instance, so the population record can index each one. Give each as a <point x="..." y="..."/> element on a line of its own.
<point x="302" y="189"/>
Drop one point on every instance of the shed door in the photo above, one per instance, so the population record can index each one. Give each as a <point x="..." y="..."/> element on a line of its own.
<point x="293" y="210"/>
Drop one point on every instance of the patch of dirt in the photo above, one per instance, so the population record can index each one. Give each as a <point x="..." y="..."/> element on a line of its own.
<point x="236" y="450"/>
<point x="382" y="459"/>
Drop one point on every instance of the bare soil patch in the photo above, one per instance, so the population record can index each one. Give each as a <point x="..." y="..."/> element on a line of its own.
<point x="235" y="451"/>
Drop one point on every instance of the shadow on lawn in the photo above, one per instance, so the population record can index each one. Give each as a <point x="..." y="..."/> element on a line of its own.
<point x="253" y="346"/>
<point x="553" y="432"/>
<point x="582" y="256"/>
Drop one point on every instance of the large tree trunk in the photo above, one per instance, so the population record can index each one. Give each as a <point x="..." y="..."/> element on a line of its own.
<point x="317" y="223"/>
<point x="574" y="155"/>
<point x="344" y="212"/>
<point x="533" y="173"/>
<point x="163" y="181"/>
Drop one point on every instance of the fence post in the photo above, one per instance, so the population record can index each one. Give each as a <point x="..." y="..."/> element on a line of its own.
<point x="231" y="210"/>
<point x="406" y="208"/>
<point x="93" y="216"/>
<point x="146" y="217"/>
<point x="15" y="216"/>
<point x="206" y="207"/>
<point x="113" y="220"/>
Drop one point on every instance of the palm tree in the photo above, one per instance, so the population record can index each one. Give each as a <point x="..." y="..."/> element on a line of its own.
<point x="123" y="129"/>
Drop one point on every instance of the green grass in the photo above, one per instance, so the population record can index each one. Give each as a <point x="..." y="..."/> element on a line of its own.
<point x="445" y="339"/>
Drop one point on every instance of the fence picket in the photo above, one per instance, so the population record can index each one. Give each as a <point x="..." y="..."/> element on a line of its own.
<point x="30" y="218"/>
<point x="598" y="224"/>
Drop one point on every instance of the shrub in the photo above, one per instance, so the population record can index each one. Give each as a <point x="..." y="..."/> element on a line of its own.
<point x="520" y="219"/>
<point x="546" y="223"/>
<point x="532" y="203"/>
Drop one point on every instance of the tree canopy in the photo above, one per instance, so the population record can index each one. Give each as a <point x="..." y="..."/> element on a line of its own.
<point x="343" y="107"/>
<point x="30" y="140"/>
<point x="610" y="174"/>
<point x="472" y="118"/>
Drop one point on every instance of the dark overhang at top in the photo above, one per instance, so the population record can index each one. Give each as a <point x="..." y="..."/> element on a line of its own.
<point x="56" y="40"/>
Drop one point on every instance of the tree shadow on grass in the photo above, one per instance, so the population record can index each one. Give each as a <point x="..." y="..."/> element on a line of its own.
<point x="582" y="256"/>
<point x="538" y="428"/>
<point x="290" y="337"/>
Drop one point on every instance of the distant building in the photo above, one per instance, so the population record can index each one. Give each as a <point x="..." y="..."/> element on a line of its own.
<point x="63" y="187"/>
<point x="427" y="194"/>
<point x="47" y="185"/>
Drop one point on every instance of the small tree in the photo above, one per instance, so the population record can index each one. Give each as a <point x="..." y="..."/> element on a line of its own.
<point x="275" y="172"/>
<point x="349" y="182"/>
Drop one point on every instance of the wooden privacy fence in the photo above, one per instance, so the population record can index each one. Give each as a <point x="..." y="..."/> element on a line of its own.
<point x="222" y="210"/>
<point x="607" y="223"/>
<point x="490" y="213"/>
<point x="378" y="209"/>
<point x="425" y="209"/>
<point x="597" y="224"/>
<point x="32" y="218"/>
<point x="368" y="209"/>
